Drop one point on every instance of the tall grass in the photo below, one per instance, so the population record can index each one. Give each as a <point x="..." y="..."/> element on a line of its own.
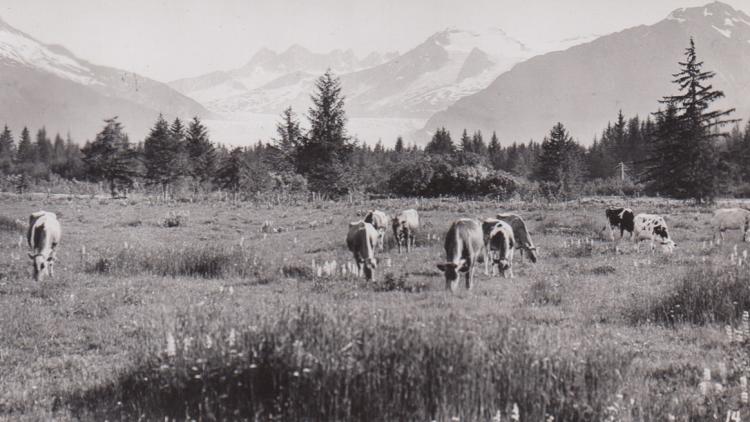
<point x="308" y="364"/>
<point x="703" y="295"/>
<point x="8" y="224"/>
<point x="202" y="261"/>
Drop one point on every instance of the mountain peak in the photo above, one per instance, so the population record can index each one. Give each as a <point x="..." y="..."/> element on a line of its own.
<point x="718" y="16"/>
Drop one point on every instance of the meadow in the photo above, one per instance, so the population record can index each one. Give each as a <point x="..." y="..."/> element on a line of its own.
<point x="236" y="311"/>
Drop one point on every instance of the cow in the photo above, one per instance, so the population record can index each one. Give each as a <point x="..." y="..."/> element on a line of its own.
<point x="732" y="219"/>
<point x="362" y="239"/>
<point x="379" y="221"/>
<point x="652" y="227"/>
<point x="463" y="244"/>
<point x="43" y="237"/>
<point x="619" y="218"/>
<point x="521" y="234"/>
<point x="404" y="226"/>
<point x="502" y="241"/>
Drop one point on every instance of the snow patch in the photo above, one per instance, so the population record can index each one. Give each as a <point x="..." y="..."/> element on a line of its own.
<point x="725" y="32"/>
<point x="706" y="12"/>
<point x="29" y="52"/>
<point x="728" y="22"/>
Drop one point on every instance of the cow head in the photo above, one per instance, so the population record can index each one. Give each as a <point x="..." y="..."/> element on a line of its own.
<point x="452" y="270"/>
<point x="368" y="267"/>
<point x="41" y="265"/>
<point x="532" y="254"/>
<point x="746" y="236"/>
<point x="398" y="228"/>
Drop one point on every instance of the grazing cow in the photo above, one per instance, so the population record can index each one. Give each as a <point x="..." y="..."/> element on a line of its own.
<point x="652" y="227"/>
<point x="405" y="225"/>
<point x="379" y="220"/>
<point x="463" y="244"/>
<point x="43" y="236"/>
<point x="501" y="241"/>
<point x="521" y="234"/>
<point x="619" y="218"/>
<point x="732" y="219"/>
<point x="361" y="241"/>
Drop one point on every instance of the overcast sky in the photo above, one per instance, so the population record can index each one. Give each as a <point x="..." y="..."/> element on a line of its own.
<point x="169" y="39"/>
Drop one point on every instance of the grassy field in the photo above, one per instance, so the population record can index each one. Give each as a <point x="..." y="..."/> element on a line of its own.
<point x="224" y="317"/>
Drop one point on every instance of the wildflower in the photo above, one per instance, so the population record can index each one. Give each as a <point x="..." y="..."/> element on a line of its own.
<point x="743" y="397"/>
<point x="515" y="414"/>
<point x="498" y="417"/>
<point x="455" y="418"/>
<point x="730" y="332"/>
<point x="171" y="350"/>
<point x="209" y="341"/>
<point x="296" y="373"/>
<point x="232" y="339"/>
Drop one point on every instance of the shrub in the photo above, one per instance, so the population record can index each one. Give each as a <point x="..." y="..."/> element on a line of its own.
<point x="176" y="219"/>
<point x="202" y="261"/>
<point x="306" y="364"/>
<point x="703" y="295"/>
<point x="11" y="225"/>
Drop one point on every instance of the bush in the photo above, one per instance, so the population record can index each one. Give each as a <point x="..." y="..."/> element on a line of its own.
<point x="204" y="262"/>
<point x="703" y="295"/>
<point x="11" y="225"/>
<point x="306" y="364"/>
<point x="176" y="219"/>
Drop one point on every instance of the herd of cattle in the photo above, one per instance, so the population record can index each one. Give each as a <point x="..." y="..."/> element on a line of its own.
<point x="494" y="239"/>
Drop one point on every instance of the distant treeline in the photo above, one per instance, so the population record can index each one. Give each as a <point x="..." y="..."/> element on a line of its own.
<point x="681" y="153"/>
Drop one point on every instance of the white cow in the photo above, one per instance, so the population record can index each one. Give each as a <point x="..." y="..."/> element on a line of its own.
<point x="362" y="240"/>
<point x="43" y="236"/>
<point x="653" y="228"/>
<point x="405" y="226"/>
<point x="463" y="244"/>
<point x="379" y="221"/>
<point x="732" y="219"/>
<point x="500" y="247"/>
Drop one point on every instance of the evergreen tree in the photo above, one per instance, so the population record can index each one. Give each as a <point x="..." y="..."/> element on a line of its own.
<point x="326" y="151"/>
<point x="477" y="143"/>
<point x="26" y="150"/>
<point x="559" y="163"/>
<point x="200" y="151"/>
<point x="686" y="142"/>
<point x="466" y="145"/>
<point x="234" y="172"/>
<point x="399" y="147"/>
<point x="440" y="143"/>
<point x="162" y="154"/>
<point x="7" y="150"/>
<point x="495" y="152"/>
<point x="110" y="157"/>
<point x="283" y="151"/>
<point x="43" y="147"/>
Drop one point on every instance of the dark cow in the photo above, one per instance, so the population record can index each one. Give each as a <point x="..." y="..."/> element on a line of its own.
<point x="620" y="218"/>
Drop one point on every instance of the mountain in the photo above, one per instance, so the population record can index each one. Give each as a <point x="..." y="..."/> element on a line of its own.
<point x="46" y="85"/>
<point x="267" y="67"/>
<point x="584" y="86"/>
<point x="448" y="65"/>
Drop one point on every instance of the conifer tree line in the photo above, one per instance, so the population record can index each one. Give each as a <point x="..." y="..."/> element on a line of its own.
<point x="679" y="151"/>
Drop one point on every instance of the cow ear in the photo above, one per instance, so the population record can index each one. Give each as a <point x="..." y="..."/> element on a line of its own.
<point x="51" y="258"/>
<point x="441" y="267"/>
<point x="31" y="256"/>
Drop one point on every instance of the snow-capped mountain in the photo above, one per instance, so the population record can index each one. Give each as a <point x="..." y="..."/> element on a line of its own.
<point x="267" y="67"/>
<point x="47" y="85"/>
<point x="448" y="65"/>
<point x="584" y="86"/>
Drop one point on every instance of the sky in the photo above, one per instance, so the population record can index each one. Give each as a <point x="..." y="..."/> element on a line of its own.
<point x="171" y="39"/>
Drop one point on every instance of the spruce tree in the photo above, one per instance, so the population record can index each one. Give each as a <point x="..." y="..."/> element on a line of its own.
<point x="7" y="150"/>
<point x="440" y="143"/>
<point x="43" y="147"/>
<point x="477" y="143"/>
<point x="495" y="152"/>
<point x="111" y="158"/>
<point x="162" y="154"/>
<point x="26" y="151"/>
<point x="559" y="163"/>
<point x="283" y="153"/>
<point x="684" y="161"/>
<point x="200" y="151"/>
<point x="326" y="151"/>
<point x="466" y="145"/>
<point x="399" y="147"/>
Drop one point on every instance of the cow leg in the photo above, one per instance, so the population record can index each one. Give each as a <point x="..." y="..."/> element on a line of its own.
<point x="486" y="254"/>
<point x="470" y="276"/>
<point x="510" y="262"/>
